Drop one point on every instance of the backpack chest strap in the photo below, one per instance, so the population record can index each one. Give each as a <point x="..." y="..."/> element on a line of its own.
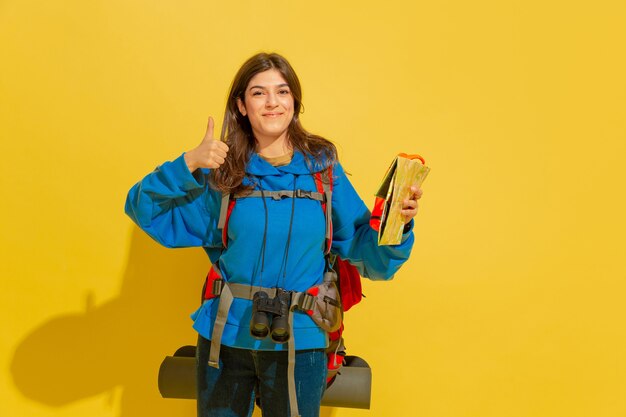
<point x="323" y="195"/>
<point x="279" y="195"/>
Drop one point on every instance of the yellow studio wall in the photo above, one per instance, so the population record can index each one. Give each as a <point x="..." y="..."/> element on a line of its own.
<point x="512" y="303"/>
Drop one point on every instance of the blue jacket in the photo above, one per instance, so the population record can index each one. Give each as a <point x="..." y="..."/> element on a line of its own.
<point x="179" y="209"/>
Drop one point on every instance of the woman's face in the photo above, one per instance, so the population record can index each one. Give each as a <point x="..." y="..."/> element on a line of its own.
<point x="268" y="103"/>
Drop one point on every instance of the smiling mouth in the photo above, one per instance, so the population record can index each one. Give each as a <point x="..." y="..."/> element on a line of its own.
<point x="272" y="114"/>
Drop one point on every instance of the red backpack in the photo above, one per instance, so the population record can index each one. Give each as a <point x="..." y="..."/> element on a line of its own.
<point x="348" y="278"/>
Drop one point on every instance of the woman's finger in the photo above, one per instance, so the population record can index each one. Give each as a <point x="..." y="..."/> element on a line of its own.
<point x="416" y="192"/>
<point x="209" y="129"/>
<point x="219" y="152"/>
<point x="409" y="204"/>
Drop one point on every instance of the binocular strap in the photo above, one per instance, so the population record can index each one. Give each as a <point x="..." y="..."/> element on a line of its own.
<point x="228" y="293"/>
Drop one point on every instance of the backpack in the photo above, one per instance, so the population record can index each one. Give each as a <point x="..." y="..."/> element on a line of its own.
<point x="348" y="278"/>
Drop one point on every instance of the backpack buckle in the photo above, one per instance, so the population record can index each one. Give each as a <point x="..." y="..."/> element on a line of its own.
<point x="306" y="301"/>
<point x="217" y="286"/>
<point x="304" y="194"/>
<point x="279" y="195"/>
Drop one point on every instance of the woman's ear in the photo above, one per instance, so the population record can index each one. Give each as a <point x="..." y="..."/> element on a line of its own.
<point x="242" y="107"/>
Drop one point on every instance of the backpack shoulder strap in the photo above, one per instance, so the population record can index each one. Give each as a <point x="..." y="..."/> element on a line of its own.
<point x="226" y="209"/>
<point x="325" y="187"/>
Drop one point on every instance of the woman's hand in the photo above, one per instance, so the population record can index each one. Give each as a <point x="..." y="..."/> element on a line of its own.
<point x="210" y="153"/>
<point x="409" y="205"/>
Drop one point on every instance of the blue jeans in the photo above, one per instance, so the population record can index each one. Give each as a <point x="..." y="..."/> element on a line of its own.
<point x="230" y="391"/>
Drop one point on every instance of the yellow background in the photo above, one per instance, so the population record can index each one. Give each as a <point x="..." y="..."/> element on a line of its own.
<point x="512" y="303"/>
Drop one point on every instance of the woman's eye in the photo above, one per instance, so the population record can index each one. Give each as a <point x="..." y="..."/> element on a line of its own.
<point x="256" y="93"/>
<point x="283" y="92"/>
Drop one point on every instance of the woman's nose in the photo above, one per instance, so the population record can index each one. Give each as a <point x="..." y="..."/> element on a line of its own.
<point x="272" y="100"/>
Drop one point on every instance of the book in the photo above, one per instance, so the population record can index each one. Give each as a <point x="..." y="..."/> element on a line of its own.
<point x="404" y="171"/>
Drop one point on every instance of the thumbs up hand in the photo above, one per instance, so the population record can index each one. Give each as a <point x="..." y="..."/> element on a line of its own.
<point x="210" y="153"/>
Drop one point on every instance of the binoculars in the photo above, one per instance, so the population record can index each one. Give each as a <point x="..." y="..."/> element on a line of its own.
<point x="274" y="310"/>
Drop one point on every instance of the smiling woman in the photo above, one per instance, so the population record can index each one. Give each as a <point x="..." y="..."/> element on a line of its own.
<point x="255" y="339"/>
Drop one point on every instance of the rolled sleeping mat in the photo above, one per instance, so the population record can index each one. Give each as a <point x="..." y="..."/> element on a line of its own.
<point x="351" y="388"/>
<point x="177" y="374"/>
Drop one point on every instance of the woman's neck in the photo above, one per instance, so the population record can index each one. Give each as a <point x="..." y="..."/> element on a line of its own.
<point x="273" y="148"/>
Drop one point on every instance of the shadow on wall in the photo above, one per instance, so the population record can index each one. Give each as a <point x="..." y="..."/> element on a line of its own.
<point x="122" y="342"/>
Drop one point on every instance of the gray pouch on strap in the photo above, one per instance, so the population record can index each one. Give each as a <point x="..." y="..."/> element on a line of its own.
<point x="322" y="303"/>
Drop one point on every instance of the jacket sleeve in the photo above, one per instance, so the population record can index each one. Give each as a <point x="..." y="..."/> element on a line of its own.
<point x="176" y="207"/>
<point x="354" y="239"/>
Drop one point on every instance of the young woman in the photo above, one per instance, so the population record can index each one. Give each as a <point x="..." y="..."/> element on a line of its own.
<point x="274" y="241"/>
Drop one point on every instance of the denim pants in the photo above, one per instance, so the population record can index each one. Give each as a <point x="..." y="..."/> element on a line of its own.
<point x="230" y="391"/>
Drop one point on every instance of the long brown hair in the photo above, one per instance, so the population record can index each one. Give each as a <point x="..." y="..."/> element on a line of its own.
<point x="237" y="131"/>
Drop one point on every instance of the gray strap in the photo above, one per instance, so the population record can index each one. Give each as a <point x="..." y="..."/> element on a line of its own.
<point x="280" y="194"/>
<point x="328" y="196"/>
<point x="247" y="291"/>
<point x="226" y="299"/>
<point x="223" y="211"/>
<point x="329" y="214"/>
<point x="291" y="374"/>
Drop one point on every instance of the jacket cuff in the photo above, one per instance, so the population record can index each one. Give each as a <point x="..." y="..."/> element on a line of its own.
<point x="190" y="180"/>
<point x="406" y="232"/>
